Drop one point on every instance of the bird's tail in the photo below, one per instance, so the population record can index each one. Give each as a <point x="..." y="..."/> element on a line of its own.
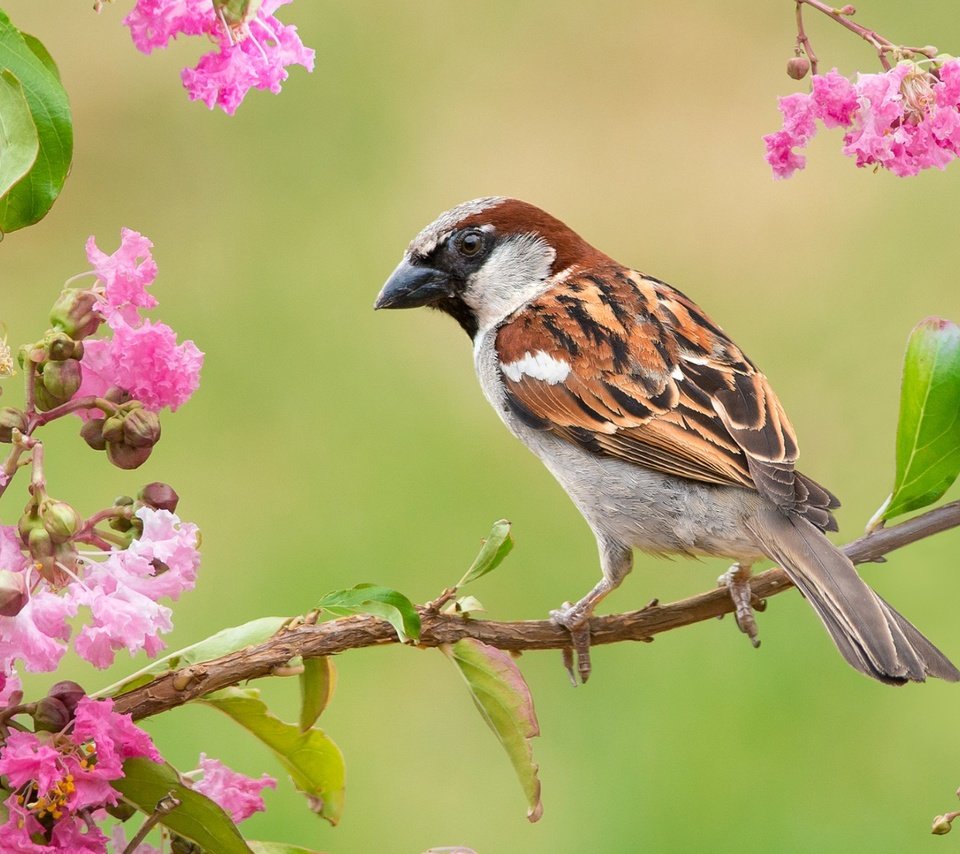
<point x="870" y="635"/>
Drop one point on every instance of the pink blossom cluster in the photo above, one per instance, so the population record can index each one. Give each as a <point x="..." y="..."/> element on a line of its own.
<point x="142" y="357"/>
<point x="253" y="52"/>
<point x="121" y="593"/>
<point x="238" y="794"/>
<point x="904" y="120"/>
<point x="60" y="781"/>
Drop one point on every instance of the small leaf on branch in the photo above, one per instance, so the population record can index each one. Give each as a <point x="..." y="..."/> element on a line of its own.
<point x="318" y="679"/>
<point x="18" y="134"/>
<point x="383" y="602"/>
<point x="311" y="759"/>
<point x="503" y="698"/>
<point x="495" y="548"/>
<point x="222" y="643"/>
<point x="32" y="196"/>
<point x="928" y="432"/>
<point x="146" y="783"/>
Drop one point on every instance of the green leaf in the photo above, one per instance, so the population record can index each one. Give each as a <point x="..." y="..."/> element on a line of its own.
<point x="503" y="698"/>
<point x="494" y="549"/>
<point x="312" y="759"/>
<point x="18" y="134"/>
<point x="279" y="848"/>
<point x="928" y="433"/>
<point x="31" y="197"/>
<point x="146" y="783"/>
<point x="222" y="643"/>
<point x="317" y="683"/>
<point x="383" y="602"/>
<point x="41" y="53"/>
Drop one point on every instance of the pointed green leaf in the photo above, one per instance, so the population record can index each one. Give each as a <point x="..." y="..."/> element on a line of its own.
<point x="503" y="698"/>
<point x="41" y="52"/>
<point x="317" y="683"/>
<point x="279" y="848"/>
<point x="18" y="134"/>
<point x="222" y="643"/>
<point x="146" y="783"/>
<point x="383" y="602"/>
<point x="313" y="761"/>
<point x="928" y="433"/>
<point x="494" y="549"/>
<point x="32" y="196"/>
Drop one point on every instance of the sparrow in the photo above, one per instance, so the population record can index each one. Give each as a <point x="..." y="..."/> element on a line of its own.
<point x="667" y="438"/>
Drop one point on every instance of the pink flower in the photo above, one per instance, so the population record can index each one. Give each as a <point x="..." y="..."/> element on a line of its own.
<point x="25" y="759"/>
<point x="835" y="98"/>
<point x="253" y="53"/>
<point x="125" y="275"/>
<point x="37" y="636"/>
<point x="114" y="735"/>
<point x="238" y="794"/>
<point x="146" y="361"/>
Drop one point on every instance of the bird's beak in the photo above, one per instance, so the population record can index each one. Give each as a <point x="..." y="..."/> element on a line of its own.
<point x="411" y="286"/>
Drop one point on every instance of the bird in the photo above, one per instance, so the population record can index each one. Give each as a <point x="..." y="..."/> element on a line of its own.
<point x="664" y="434"/>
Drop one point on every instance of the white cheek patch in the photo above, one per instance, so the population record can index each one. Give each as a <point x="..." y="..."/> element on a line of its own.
<point x="538" y="366"/>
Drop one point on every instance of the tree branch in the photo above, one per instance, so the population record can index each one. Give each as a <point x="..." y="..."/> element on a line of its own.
<point x="311" y="641"/>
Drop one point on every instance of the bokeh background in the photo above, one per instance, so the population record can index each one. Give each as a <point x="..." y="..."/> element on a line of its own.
<point x="329" y="445"/>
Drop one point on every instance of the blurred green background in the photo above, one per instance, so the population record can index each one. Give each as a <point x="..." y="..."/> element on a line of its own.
<point x="329" y="445"/>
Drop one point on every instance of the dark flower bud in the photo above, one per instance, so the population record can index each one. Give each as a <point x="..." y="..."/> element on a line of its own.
<point x="50" y="715"/>
<point x="798" y="67"/>
<point x="141" y="428"/>
<point x="159" y="496"/>
<point x="11" y="419"/>
<point x="92" y="433"/>
<point x="61" y="346"/>
<point x="60" y="520"/>
<point x="61" y="379"/>
<point x="127" y="457"/>
<point x="69" y="693"/>
<point x="13" y="596"/>
<point x="117" y="395"/>
<point x="112" y="430"/>
<point x="75" y="313"/>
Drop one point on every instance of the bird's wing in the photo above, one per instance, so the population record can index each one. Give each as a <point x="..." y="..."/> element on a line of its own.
<point x="625" y="366"/>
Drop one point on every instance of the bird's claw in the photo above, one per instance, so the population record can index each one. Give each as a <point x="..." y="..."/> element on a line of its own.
<point x="737" y="581"/>
<point x="577" y="623"/>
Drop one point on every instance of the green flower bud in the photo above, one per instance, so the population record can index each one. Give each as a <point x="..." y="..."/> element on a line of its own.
<point x="60" y="520"/>
<point x="69" y="693"/>
<point x="50" y="715"/>
<point x="61" y="346"/>
<point x="141" y="428"/>
<point x="40" y="543"/>
<point x="113" y="429"/>
<point x="61" y="379"/>
<point x="12" y="594"/>
<point x="159" y="496"/>
<point x="26" y="523"/>
<point x="43" y="400"/>
<point x="941" y="825"/>
<point x="124" y="456"/>
<point x="75" y="313"/>
<point x="92" y="433"/>
<point x="11" y="419"/>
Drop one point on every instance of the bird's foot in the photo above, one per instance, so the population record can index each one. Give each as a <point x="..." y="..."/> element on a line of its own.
<point x="576" y="620"/>
<point x="737" y="581"/>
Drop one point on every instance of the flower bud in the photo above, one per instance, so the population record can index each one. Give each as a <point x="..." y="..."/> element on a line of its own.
<point x="61" y="346"/>
<point x="60" y="520"/>
<point x="92" y="433"/>
<point x="61" y="379"/>
<point x="13" y="596"/>
<point x="26" y="523"/>
<point x="121" y="810"/>
<point x="797" y="67"/>
<point x="159" y="496"/>
<point x="69" y="693"/>
<point x="124" y="456"/>
<point x="75" y="312"/>
<point x="117" y="395"/>
<point x="42" y="399"/>
<point x="11" y="419"/>
<point x="40" y="543"/>
<point x="50" y="715"/>
<point x="141" y="428"/>
<point x="941" y="825"/>
<point x="112" y="430"/>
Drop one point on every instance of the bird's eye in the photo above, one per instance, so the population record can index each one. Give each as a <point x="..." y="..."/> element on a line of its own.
<point x="470" y="243"/>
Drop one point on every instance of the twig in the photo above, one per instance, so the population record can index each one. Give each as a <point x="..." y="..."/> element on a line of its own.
<point x="168" y="803"/>
<point x="312" y="641"/>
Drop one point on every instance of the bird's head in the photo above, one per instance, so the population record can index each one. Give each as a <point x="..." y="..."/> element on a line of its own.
<point x="482" y="260"/>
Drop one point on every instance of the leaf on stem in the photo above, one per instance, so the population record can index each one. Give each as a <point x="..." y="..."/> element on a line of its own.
<point x="503" y="698"/>
<point x="18" y="134"/>
<point x="318" y="679"/>
<point x="383" y="602"/>
<point x="146" y="783"/>
<point x="928" y="432"/>
<point x="311" y="759"/>
<point x="495" y="548"/>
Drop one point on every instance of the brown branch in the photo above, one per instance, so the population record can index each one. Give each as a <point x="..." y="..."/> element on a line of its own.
<point x="311" y="641"/>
